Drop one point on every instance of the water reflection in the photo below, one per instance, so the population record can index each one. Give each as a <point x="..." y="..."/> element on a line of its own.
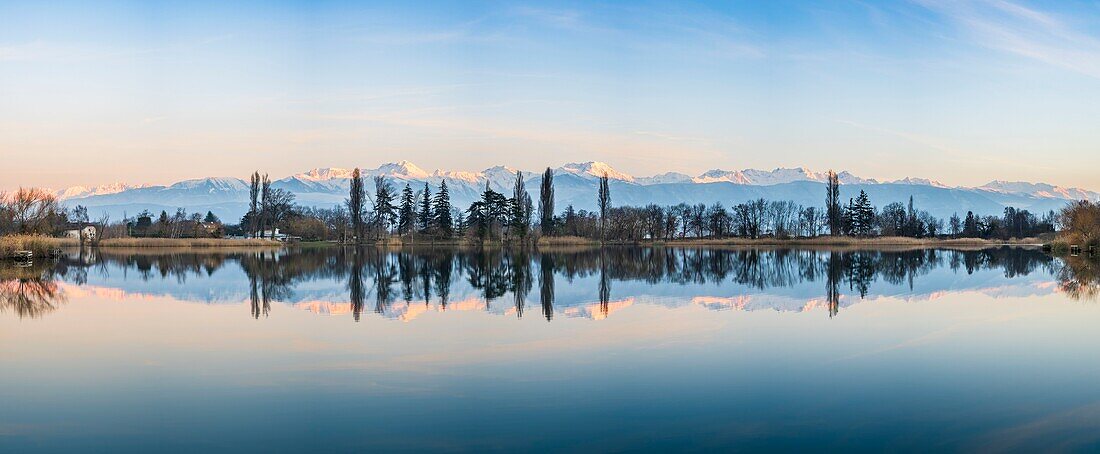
<point x="30" y="292"/>
<point x="402" y="283"/>
<point x="1080" y="278"/>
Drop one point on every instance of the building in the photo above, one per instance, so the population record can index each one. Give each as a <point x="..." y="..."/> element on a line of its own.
<point x="79" y="231"/>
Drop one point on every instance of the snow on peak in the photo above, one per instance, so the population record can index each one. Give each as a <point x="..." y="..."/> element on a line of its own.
<point x="212" y="184"/>
<point x="331" y="173"/>
<point x="719" y="175"/>
<point x="595" y="169"/>
<point x="459" y="175"/>
<point x="76" y="192"/>
<point x="919" y="182"/>
<point x="846" y="177"/>
<point x="402" y="169"/>
<point x="1042" y="190"/>
<point x="760" y="177"/>
<point x="664" y="178"/>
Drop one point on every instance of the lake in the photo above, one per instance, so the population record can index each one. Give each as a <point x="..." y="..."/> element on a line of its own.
<point x="619" y="349"/>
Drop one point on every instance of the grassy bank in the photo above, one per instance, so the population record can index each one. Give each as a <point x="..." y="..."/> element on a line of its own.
<point x="41" y="246"/>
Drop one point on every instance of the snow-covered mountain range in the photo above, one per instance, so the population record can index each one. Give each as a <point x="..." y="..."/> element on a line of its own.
<point x="575" y="184"/>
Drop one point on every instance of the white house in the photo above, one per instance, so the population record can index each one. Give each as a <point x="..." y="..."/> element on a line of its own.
<point x="87" y="232"/>
<point x="277" y="236"/>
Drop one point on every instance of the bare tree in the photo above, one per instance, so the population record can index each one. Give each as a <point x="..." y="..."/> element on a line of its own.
<point x="253" y="204"/>
<point x="33" y="211"/>
<point x="265" y="193"/>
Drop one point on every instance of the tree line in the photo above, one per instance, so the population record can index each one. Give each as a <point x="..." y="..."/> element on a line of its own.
<point x="425" y="213"/>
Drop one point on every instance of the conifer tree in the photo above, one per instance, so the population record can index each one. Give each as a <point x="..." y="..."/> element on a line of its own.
<point x="443" y="222"/>
<point x="406" y="214"/>
<point x="521" y="207"/>
<point x="424" y="217"/>
<point x="384" y="212"/>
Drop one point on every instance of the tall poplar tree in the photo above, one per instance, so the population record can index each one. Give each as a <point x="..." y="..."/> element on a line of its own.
<point x="833" y="212"/>
<point x="546" y="202"/>
<point x="604" y="202"/>
<point x="356" y="196"/>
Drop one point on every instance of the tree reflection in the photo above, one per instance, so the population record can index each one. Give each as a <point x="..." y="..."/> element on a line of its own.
<point x="546" y="285"/>
<point x="29" y="292"/>
<point x="430" y="274"/>
<point x="1079" y="278"/>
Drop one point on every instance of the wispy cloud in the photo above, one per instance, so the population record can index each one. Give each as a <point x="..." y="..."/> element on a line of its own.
<point x="65" y="52"/>
<point x="1020" y="30"/>
<point x="950" y="152"/>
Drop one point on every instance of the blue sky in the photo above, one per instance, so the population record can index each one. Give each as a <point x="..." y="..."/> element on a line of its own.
<point x="962" y="92"/>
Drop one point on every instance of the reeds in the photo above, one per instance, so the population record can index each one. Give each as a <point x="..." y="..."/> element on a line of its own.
<point x="40" y="246"/>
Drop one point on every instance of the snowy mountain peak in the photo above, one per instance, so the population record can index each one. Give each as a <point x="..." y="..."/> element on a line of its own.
<point x="402" y="169"/>
<point x="331" y="173"/>
<point x="919" y="182"/>
<point x="664" y="178"/>
<point x="846" y="177"/>
<point x="719" y="175"/>
<point x="595" y="169"/>
<point x="212" y="184"/>
<point x="76" y="192"/>
<point x="1042" y="190"/>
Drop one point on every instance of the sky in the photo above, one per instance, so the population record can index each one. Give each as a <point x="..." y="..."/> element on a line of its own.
<point x="156" y="92"/>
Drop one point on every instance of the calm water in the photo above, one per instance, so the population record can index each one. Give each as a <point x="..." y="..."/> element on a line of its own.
<point x="620" y="350"/>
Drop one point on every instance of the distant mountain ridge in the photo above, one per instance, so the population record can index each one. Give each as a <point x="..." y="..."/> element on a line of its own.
<point x="575" y="184"/>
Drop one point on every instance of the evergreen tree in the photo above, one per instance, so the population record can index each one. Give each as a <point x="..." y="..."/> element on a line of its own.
<point x="521" y="208"/>
<point x="384" y="212"/>
<point x="477" y="218"/>
<point x="546" y="202"/>
<point x="863" y="215"/>
<point x="971" y="226"/>
<point x="406" y="215"/>
<point x="424" y="217"/>
<point x="488" y="214"/>
<point x="569" y="221"/>
<point x="355" y="202"/>
<point x="460" y="224"/>
<point x="443" y="221"/>
<point x="847" y="219"/>
<point x="211" y="218"/>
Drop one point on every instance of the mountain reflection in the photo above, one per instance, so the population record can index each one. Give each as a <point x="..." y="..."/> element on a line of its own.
<point x="583" y="282"/>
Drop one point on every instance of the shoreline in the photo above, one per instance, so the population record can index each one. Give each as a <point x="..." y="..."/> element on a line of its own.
<point x="41" y="246"/>
<point x="823" y="241"/>
<point x="47" y="246"/>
